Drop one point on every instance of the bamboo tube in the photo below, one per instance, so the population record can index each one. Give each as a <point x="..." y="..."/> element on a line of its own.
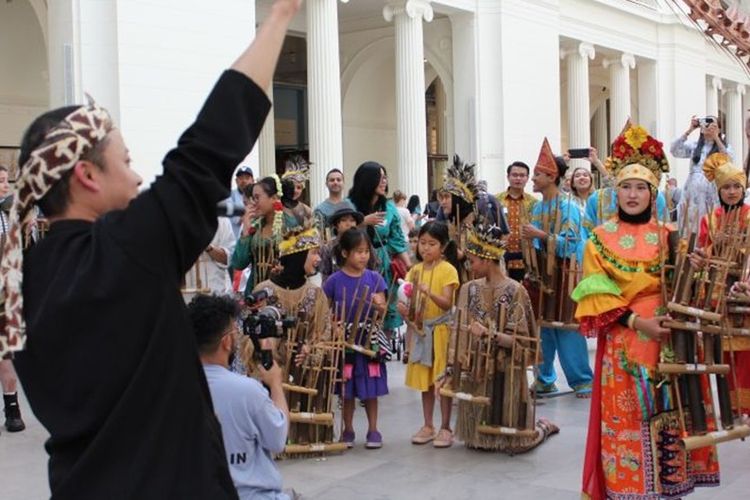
<point x="694" y="327"/>
<point x="464" y="396"/>
<point x="691" y="368"/>
<point x="694" y="311"/>
<point x="363" y="350"/>
<point x="497" y="430"/>
<point x="314" y="448"/>
<point x="311" y="418"/>
<point x="299" y="389"/>
<point x="715" y="437"/>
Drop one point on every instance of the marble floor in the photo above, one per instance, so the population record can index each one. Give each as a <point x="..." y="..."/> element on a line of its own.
<point x="402" y="470"/>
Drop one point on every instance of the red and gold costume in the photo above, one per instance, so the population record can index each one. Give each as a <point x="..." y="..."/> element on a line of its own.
<point x="719" y="169"/>
<point x="632" y="448"/>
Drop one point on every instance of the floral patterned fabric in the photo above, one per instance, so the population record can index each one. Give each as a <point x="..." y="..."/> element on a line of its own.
<point x="632" y="448"/>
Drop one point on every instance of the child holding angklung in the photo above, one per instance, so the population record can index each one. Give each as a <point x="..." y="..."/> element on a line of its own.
<point x="482" y="302"/>
<point x="365" y="376"/>
<point x="435" y="281"/>
<point x="729" y="220"/>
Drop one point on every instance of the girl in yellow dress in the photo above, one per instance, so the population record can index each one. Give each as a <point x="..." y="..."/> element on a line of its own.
<point x="435" y="282"/>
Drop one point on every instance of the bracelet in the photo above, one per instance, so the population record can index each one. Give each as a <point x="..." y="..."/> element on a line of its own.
<point x="631" y="321"/>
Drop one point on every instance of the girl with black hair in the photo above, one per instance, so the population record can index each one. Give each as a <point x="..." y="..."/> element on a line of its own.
<point x="699" y="194"/>
<point x="383" y="225"/>
<point x="365" y="378"/>
<point x="435" y="281"/>
<point x="263" y="225"/>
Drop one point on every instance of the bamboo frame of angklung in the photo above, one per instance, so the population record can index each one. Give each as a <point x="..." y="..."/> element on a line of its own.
<point x="318" y="377"/>
<point x="695" y="298"/>
<point x="485" y="349"/>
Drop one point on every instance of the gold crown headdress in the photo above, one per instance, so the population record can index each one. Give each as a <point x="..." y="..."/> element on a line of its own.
<point x="460" y="180"/>
<point x="637" y="155"/>
<point x="718" y="168"/>
<point x="298" y="240"/>
<point x="484" y="241"/>
<point x="297" y="169"/>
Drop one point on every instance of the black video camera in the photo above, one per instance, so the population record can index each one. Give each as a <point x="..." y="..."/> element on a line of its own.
<point x="268" y="322"/>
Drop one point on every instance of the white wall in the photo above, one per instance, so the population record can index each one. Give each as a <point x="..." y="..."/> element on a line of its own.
<point x="530" y="61"/>
<point x="170" y="54"/>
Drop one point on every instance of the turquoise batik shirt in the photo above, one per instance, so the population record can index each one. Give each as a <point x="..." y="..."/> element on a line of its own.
<point x="567" y="230"/>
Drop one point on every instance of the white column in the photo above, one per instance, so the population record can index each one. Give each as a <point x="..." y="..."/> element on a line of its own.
<point x="411" y="129"/>
<point x="599" y="128"/>
<point x="267" y="144"/>
<point x="712" y="96"/>
<point x="619" y="85"/>
<point x="579" y="134"/>
<point x="734" y="120"/>
<point x="324" y="94"/>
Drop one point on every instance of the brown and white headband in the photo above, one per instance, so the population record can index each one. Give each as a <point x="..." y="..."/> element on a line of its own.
<point x="63" y="146"/>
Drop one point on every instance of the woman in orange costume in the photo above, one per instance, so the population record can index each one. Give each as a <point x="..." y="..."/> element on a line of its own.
<point x="731" y="183"/>
<point x="632" y="452"/>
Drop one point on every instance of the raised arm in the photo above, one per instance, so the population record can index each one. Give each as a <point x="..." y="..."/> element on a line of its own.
<point x="258" y="62"/>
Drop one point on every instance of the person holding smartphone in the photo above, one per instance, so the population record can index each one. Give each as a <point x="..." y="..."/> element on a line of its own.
<point x="700" y="194"/>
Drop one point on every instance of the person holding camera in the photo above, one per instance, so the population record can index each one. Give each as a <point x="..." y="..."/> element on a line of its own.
<point x="699" y="194"/>
<point x="254" y="421"/>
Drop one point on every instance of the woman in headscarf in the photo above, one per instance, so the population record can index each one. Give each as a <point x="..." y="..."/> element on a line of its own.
<point x="631" y="449"/>
<point x="730" y="218"/>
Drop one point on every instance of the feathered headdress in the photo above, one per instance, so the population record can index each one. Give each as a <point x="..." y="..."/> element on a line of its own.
<point x="297" y="169"/>
<point x="485" y="242"/>
<point x="718" y="168"/>
<point x="460" y="180"/>
<point x="635" y="148"/>
<point x="299" y="239"/>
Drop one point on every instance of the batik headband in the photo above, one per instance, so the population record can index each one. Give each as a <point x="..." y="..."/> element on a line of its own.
<point x="63" y="146"/>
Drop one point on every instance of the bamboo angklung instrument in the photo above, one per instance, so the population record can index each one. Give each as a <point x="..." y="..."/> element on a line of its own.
<point x="700" y="309"/>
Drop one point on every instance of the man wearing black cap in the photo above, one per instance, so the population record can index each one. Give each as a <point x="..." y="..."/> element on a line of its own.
<point x="342" y="220"/>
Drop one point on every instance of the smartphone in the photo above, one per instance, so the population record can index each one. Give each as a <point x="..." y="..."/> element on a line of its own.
<point x="578" y="153"/>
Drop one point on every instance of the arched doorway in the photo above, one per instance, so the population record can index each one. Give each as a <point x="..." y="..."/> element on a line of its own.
<point x="24" y="81"/>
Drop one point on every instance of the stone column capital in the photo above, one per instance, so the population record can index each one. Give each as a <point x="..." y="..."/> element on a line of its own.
<point x="740" y="89"/>
<point x="583" y="50"/>
<point x="627" y="61"/>
<point x="412" y="8"/>
<point x="716" y="83"/>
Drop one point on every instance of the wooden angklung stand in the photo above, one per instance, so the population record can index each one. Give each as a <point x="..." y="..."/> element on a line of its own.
<point x="309" y="387"/>
<point x="550" y="279"/>
<point x="703" y="321"/>
<point x="492" y="377"/>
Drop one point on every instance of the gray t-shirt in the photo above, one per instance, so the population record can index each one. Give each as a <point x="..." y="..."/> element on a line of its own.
<point x="326" y="209"/>
<point x="253" y="428"/>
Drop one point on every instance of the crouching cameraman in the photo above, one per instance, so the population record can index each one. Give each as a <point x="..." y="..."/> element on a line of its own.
<point x="253" y="424"/>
